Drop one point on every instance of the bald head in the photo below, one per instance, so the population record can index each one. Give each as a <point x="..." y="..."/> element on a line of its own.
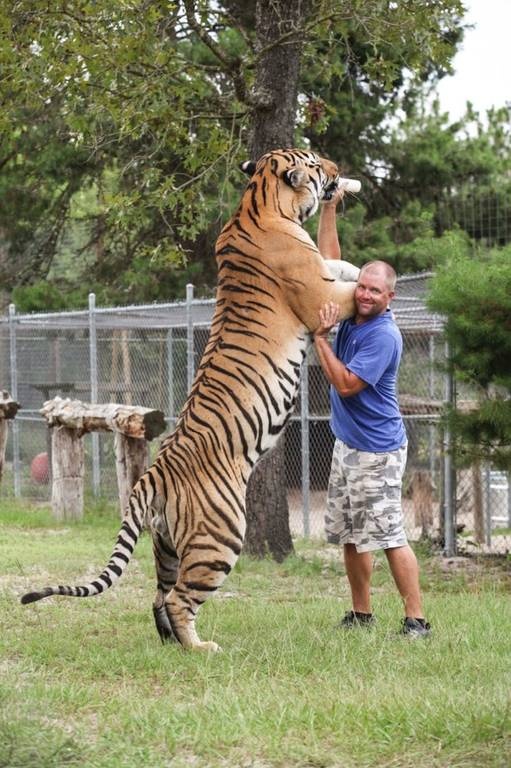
<point x="383" y="269"/>
<point x="374" y="290"/>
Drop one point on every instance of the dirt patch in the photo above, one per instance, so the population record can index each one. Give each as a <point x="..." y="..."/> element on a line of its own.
<point x="473" y="569"/>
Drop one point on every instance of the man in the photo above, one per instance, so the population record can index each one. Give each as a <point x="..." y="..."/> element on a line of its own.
<point x="364" y="494"/>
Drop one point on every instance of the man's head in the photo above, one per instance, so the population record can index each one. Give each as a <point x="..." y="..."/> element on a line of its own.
<point x="375" y="289"/>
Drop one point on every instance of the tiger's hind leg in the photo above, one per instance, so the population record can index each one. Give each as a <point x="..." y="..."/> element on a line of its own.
<point x="201" y="572"/>
<point x="166" y="562"/>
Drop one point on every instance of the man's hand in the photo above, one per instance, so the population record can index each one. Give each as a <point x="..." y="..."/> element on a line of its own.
<point x="329" y="316"/>
<point x="344" y="381"/>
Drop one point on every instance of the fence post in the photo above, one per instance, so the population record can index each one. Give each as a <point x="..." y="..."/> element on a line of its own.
<point x="190" y="354"/>
<point x="304" y="419"/>
<point x="170" y="378"/>
<point x="487" y="517"/>
<point x="14" y="395"/>
<point x="509" y="499"/>
<point x="93" y="361"/>
<point x="432" y="428"/>
<point x="449" y="479"/>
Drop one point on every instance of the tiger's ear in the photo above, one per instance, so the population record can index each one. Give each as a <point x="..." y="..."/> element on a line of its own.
<point x="294" y="177"/>
<point x="248" y="167"/>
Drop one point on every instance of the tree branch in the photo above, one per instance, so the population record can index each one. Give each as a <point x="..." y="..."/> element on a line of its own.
<point x="232" y="67"/>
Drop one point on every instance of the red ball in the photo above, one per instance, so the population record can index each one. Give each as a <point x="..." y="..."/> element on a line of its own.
<point x="40" y="469"/>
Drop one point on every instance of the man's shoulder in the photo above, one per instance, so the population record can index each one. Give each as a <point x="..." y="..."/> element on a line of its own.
<point x="381" y="337"/>
<point x="389" y="325"/>
<point x="383" y="324"/>
<point x="381" y="327"/>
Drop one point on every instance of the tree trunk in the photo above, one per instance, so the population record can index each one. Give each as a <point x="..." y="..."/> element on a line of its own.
<point x="274" y="99"/>
<point x="267" y="507"/>
<point x="279" y="44"/>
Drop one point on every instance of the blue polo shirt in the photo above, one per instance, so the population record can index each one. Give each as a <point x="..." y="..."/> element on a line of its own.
<point x="371" y="420"/>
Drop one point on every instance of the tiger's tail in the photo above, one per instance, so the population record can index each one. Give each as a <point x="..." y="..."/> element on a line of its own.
<point x="139" y="503"/>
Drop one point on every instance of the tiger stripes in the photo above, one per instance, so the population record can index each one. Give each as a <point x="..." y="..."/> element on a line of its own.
<point x="272" y="281"/>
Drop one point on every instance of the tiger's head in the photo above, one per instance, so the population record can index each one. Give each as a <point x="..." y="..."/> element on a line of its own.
<point x="292" y="181"/>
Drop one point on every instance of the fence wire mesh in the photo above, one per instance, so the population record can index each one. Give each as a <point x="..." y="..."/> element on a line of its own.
<point x="147" y="355"/>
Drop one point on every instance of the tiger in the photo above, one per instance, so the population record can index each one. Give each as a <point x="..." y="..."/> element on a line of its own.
<point x="272" y="282"/>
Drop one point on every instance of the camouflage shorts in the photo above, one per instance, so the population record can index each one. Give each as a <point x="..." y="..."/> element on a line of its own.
<point x="364" y="498"/>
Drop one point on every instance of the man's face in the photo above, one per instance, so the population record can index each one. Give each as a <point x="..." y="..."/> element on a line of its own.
<point x="372" y="294"/>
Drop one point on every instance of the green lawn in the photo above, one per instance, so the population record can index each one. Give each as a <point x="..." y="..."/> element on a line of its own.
<point x="87" y="682"/>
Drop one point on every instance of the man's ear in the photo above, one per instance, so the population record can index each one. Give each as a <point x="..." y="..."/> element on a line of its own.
<point x="294" y="177"/>
<point x="248" y="167"/>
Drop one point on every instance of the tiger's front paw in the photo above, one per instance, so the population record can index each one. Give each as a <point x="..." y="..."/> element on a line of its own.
<point x="342" y="270"/>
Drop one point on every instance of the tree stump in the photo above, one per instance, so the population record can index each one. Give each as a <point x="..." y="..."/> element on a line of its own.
<point x="68" y="473"/>
<point x="131" y="460"/>
<point x="132" y="425"/>
<point x="8" y="410"/>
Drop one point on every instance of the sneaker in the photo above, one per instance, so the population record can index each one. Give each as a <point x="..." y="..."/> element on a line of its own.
<point x="415" y="627"/>
<point x="356" y="619"/>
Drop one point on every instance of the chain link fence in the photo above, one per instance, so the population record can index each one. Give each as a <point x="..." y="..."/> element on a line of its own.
<point x="147" y="355"/>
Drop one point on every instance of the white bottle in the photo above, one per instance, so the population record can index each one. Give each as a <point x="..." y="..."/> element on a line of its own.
<point x="350" y="185"/>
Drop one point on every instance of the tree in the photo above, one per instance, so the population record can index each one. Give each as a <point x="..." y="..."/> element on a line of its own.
<point x="279" y="47"/>
<point x="158" y="99"/>
<point x="147" y="108"/>
<point x="435" y="178"/>
<point x="475" y="296"/>
<point x="121" y="90"/>
<point x="275" y="97"/>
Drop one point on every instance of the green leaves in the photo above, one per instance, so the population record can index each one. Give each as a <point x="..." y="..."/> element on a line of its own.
<point x="97" y="90"/>
<point x="151" y="104"/>
<point x="475" y="295"/>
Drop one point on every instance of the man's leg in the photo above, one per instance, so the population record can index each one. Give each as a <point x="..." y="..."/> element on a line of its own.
<point x="405" y="571"/>
<point x="359" y="567"/>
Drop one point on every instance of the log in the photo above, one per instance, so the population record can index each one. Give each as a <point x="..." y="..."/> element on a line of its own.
<point x="130" y="420"/>
<point x="131" y="460"/>
<point x="411" y="405"/>
<point x="8" y="410"/>
<point x="68" y="469"/>
<point x="132" y="426"/>
<point x="8" y="406"/>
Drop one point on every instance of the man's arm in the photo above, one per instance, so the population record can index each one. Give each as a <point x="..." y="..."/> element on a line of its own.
<point x="343" y="380"/>
<point x="328" y="241"/>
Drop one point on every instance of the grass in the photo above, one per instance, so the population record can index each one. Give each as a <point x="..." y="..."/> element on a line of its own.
<point x="87" y="683"/>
